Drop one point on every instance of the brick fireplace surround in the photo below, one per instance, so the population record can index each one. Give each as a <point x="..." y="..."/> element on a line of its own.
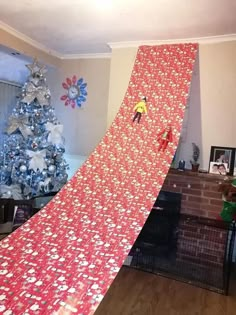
<point x="200" y="196"/>
<point x="201" y="255"/>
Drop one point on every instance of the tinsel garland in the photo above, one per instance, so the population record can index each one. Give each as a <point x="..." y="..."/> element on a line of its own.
<point x="12" y="191"/>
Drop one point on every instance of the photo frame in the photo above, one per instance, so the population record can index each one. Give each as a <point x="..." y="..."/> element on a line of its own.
<point x="22" y="211"/>
<point x="218" y="168"/>
<point x="223" y="155"/>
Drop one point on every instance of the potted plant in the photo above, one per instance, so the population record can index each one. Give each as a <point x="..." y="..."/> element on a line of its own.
<point x="195" y="157"/>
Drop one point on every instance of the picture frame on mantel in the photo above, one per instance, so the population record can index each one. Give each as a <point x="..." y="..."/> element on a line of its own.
<point x="223" y="155"/>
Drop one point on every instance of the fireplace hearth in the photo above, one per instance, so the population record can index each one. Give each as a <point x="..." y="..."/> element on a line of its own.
<point x="184" y="247"/>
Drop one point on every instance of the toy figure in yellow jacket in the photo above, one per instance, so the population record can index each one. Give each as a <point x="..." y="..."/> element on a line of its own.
<point x="140" y="108"/>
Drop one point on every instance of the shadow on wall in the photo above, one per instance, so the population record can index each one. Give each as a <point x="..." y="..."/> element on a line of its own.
<point x="192" y="124"/>
<point x="74" y="161"/>
<point x="12" y="66"/>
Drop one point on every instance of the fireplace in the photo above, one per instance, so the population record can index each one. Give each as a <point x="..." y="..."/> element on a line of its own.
<point x="185" y="247"/>
<point x="159" y="234"/>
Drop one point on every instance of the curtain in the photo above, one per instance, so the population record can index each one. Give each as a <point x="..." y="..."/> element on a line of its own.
<point x="8" y="98"/>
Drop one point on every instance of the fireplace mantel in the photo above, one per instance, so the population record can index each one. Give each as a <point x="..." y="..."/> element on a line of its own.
<point x="204" y="175"/>
<point x="200" y="195"/>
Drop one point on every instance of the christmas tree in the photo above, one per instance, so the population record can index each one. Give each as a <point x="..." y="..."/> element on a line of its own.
<point x="32" y="162"/>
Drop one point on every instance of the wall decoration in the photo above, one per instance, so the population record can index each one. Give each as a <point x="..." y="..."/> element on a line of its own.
<point x="223" y="157"/>
<point x="195" y="157"/>
<point x="76" y="91"/>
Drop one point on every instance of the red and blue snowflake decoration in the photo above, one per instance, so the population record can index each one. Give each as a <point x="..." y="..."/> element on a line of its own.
<point x="76" y="92"/>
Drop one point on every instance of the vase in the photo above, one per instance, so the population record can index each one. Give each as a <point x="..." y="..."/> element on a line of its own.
<point x="195" y="167"/>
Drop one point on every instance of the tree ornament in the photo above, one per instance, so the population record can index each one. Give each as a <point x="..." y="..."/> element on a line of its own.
<point x="37" y="160"/>
<point x="36" y="68"/>
<point x="51" y="168"/>
<point x="55" y="133"/>
<point x="44" y="172"/>
<point x="44" y="184"/>
<point x="23" y="168"/>
<point x="36" y="92"/>
<point x="19" y="123"/>
<point x="34" y="145"/>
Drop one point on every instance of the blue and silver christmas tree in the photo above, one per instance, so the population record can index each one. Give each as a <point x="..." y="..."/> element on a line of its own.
<point x="32" y="162"/>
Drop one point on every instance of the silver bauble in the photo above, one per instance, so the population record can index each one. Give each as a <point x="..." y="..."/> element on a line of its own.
<point x="51" y="168"/>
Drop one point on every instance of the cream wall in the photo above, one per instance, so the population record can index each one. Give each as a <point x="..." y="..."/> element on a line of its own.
<point x="83" y="127"/>
<point x="218" y="96"/>
<point x="212" y="107"/>
<point x="122" y="62"/>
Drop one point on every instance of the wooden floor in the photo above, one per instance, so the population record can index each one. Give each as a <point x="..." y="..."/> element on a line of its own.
<point x="139" y="293"/>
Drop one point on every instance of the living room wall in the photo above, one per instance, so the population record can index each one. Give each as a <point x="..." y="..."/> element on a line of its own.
<point x="212" y="102"/>
<point x="83" y="127"/>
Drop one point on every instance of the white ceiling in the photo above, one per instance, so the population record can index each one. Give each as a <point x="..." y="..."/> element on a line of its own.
<point x="87" y="26"/>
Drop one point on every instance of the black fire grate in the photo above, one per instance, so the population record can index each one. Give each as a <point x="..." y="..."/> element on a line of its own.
<point x="187" y="248"/>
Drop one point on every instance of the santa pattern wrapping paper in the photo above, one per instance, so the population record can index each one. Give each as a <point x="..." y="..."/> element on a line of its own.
<point x="63" y="260"/>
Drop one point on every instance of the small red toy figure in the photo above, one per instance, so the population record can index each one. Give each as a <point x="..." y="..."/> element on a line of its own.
<point x="164" y="137"/>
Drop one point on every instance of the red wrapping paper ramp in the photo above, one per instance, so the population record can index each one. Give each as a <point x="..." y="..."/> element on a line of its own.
<point x="64" y="259"/>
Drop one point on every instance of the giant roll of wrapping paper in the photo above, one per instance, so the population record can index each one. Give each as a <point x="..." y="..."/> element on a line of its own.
<point x="63" y="260"/>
